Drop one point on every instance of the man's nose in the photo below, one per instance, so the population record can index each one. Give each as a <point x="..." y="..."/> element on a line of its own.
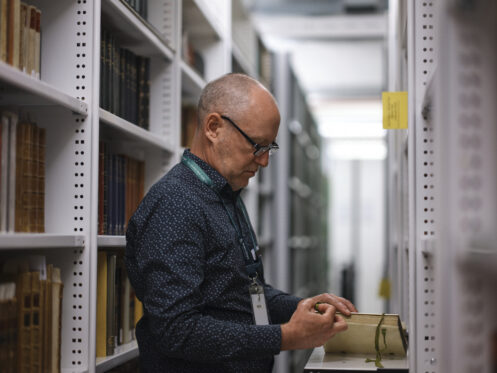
<point x="263" y="159"/>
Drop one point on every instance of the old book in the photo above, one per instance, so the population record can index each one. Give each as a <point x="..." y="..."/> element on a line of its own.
<point x="40" y="206"/>
<point x="102" y="304"/>
<point x="4" y="16"/>
<point x="31" y="48"/>
<point x="23" y="48"/>
<point x="56" y="322"/>
<point x="101" y="175"/>
<point x="11" y="188"/>
<point x="37" y="44"/>
<point x="138" y="310"/>
<point x="47" y="320"/>
<point x="22" y="177"/>
<point x="360" y="337"/>
<point x="23" y="289"/>
<point x="111" y="304"/>
<point x="37" y="303"/>
<point x="4" y="171"/>
<point x="8" y="327"/>
<point x="14" y="32"/>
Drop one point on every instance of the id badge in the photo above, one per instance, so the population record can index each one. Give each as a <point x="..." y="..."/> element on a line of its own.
<point x="259" y="308"/>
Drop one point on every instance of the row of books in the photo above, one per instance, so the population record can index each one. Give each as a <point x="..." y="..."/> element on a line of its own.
<point x="120" y="189"/>
<point x="118" y="309"/>
<point x="20" y="26"/>
<point x="30" y="316"/>
<point x="22" y="175"/>
<point x="124" y="82"/>
<point x="140" y="7"/>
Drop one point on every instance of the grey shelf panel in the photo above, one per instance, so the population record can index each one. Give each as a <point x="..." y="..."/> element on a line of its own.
<point x="20" y="89"/>
<point x="9" y="241"/>
<point x="131" y="132"/>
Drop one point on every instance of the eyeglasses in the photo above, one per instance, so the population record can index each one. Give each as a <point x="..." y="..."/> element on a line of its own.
<point x="259" y="149"/>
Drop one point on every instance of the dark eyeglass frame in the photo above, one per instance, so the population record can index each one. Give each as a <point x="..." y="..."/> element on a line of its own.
<point x="259" y="149"/>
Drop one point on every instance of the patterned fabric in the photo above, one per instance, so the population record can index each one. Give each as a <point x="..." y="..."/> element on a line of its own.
<point x="188" y="269"/>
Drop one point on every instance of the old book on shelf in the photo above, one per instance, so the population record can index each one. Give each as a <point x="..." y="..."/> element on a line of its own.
<point x="24" y="297"/>
<point x="8" y="327"/>
<point x="4" y="16"/>
<point x="11" y="191"/>
<point x="111" y="304"/>
<point x="56" y="321"/>
<point x="37" y="303"/>
<point x="4" y="171"/>
<point x="102" y="304"/>
<point x="14" y="32"/>
<point x="368" y="333"/>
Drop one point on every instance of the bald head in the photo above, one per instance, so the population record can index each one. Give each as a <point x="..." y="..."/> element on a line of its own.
<point x="233" y="92"/>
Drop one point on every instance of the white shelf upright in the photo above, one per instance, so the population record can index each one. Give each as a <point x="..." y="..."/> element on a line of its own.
<point x="466" y="116"/>
<point x="422" y="60"/>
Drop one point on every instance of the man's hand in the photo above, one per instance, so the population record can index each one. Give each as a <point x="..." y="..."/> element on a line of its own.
<point x="342" y="305"/>
<point x="308" y="328"/>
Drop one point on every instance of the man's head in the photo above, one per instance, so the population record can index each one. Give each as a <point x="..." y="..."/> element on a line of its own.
<point x="229" y="101"/>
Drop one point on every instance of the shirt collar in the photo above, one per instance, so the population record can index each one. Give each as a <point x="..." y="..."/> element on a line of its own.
<point x="221" y="185"/>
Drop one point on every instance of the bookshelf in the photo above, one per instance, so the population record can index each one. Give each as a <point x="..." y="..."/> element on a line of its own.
<point x="65" y="101"/>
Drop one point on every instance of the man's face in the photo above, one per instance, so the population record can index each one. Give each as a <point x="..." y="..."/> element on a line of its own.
<point x="236" y="159"/>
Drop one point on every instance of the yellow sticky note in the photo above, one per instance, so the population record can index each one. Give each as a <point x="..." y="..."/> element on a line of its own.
<point x="394" y="110"/>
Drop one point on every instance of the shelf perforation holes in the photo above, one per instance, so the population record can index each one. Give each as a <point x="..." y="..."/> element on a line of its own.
<point x="77" y="308"/>
<point x="81" y="48"/>
<point x="79" y="164"/>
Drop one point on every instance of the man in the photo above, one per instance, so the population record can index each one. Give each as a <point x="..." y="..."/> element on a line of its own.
<point x="191" y="251"/>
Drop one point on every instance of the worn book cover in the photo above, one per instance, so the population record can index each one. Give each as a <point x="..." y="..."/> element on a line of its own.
<point x="369" y="333"/>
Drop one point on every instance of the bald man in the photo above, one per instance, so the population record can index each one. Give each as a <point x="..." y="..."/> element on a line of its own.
<point x="192" y="255"/>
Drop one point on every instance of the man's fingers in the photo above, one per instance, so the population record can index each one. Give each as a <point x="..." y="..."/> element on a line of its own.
<point x="349" y="304"/>
<point x="340" y="324"/>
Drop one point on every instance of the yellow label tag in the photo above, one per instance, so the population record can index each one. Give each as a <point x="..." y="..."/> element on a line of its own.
<point x="394" y="110"/>
<point x="385" y="289"/>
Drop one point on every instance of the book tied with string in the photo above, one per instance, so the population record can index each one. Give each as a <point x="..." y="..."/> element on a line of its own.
<point x="367" y="333"/>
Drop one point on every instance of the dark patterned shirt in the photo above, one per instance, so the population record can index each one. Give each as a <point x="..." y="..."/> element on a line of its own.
<point x="186" y="266"/>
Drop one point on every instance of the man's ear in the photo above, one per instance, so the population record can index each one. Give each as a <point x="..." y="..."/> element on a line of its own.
<point x="213" y="124"/>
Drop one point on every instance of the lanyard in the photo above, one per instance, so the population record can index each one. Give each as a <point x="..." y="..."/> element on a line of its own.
<point x="252" y="265"/>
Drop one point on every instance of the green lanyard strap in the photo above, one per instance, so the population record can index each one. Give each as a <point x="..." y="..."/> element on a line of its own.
<point x="253" y="264"/>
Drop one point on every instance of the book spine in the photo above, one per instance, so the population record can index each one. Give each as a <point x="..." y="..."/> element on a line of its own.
<point x="23" y="290"/>
<point x="33" y="167"/>
<point x="37" y="59"/>
<point x="4" y="173"/>
<point x="12" y="172"/>
<point x="101" y="176"/>
<point x="47" y="321"/>
<point x="31" y="42"/>
<point x="106" y="192"/>
<point x="102" y="304"/>
<point x="14" y="32"/>
<point x="122" y="191"/>
<point x="116" y="64"/>
<point x="56" y="323"/>
<point x="103" y="35"/>
<point x="4" y="17"/>
<point x="41" y="180"/>
<point x="122" y="82"/>
<point x="108" y="83"/>
<point x="24" y="36"/>
<point x="111" y="304"/>
<point x="37" y="302"/>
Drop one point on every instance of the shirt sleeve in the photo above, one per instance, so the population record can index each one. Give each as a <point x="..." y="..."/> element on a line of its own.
<point x="281" y="305"/>
<point x="167" y="259"/>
